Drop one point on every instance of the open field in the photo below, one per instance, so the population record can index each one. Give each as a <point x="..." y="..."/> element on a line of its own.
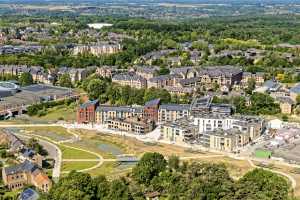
<point x="74" y="165"/>
<point x="55" y="133"/>
<point x="132" y="146"/>
<point x="236" y="168"/>
<point x="70" y="153"/>
<point x="62" y="112"/>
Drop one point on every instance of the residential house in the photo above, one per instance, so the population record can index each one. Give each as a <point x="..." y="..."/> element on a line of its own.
<point x="26" y="173"/>
<point x="258" y="77"/>
<point x="131" y="80"/>
<point x="147" y="72"/>
<point x="163" y="81"/>
<point x="286" y="105"/>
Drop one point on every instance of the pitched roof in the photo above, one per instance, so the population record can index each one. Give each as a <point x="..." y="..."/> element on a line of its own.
<point x="175" y="107"/>
<point x="154" y="102"/>
<point x="89" y="103"/>
<point x="296" y="89"/>
<point x="29" y="194"/>
<point x="26" y="166"/>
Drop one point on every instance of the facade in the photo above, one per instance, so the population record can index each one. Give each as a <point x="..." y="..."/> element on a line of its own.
<point x="131" y="80"/>
<point x="131" y="125"/>
<point x="204" y="105"/>
<point x="106" y="71"/>
<point x="26" y="173"/>
<point x="286" y="105"/>
<point x="146" y="72"/>
<point x="98" y="49"/>
<point x="227" y="140"/>
<point x="86" y="112"/>
<point x="163" y="81"/>
<point x="180" y="131"/>
<point x="220" y="75"/>
<point x="104" y="113"/>
<point x="253" y="125"/>
<point x="172" y="112"/>
<point x="258" y="77"/>
<point x="151" y="110"/>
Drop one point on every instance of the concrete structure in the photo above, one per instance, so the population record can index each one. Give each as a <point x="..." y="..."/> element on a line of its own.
<point x="26" y="173"/>
<point x="210" y="122"/>
<point x="131" y="125"/>
<point x="172" y="112"/>
<point x="204" y="105"/>
<point x="180" y="131"/>
<point x="105" y="112"/>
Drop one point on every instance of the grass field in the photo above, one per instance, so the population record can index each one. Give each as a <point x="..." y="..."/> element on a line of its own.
<point x="69" y="166"/>
<point x="62" y="112"/>
<point x="55" y="133"/>
<point x="70" y="153"/>
<point x="110" y="170"/>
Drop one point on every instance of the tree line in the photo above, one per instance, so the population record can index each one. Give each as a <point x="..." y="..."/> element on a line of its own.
<point x="172" y="179"/>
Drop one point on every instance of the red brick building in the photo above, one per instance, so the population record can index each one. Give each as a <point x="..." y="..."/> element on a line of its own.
<point x="86" y="112"/>
<point x="151" y="110"/>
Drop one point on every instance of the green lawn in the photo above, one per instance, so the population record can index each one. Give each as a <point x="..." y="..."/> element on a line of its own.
<point x="55" y="133"/>
<point x="70" y="153"/>
<point x="62" y="112"/>
<point x="69" y="166"/>
<point x="105" y="169"/>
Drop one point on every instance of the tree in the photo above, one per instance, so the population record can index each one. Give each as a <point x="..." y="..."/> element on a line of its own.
<point x="250" y="85"/>
<point x="173" y="162"/>
<point x="298" y="99"/>
<point x="262" y="184"/>
<point x="95" y="88"/>
<point x="65" y="81"/>
<point x="119" y="190"/>
<point x="25" y="79"/>
<point x="150" y="165"/>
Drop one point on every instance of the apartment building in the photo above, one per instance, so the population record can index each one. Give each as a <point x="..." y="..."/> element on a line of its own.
<point x="163" y="81"/>
<point x="147" y="72"/>
<point x="26" y="173"/>
<point x="210" y="122"/>
<point x="221" y="75"/>
<point x="106" y="71"/>
<point x="151" y="110"/>
<point x="172" y="112"/>
<point x="105" y="112"/>
<point x="86" y="113"/>
<point x="204" y="105"/>
<point x="132" y="125"/>
<point x="98" y="49"/>
<point x="131" y="80"/>
<point x="180" y="131"/>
